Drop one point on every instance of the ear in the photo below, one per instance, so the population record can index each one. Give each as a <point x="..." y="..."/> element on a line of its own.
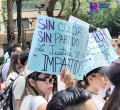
<point x="90" y="78"/>
<point x="32" y="82"/>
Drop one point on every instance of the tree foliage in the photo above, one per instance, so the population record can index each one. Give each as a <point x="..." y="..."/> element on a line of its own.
<point x="102" y="18"/>
<point x="108" y="18"/>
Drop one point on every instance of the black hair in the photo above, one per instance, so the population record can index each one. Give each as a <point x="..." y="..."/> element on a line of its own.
<point x="113" y="103"/>
<point x="34" y="75"/>
<point x="23" y="57"/>
<point x="13" y="63"/>
<point x="70" y="97"/>
<point x="12" y="48"/>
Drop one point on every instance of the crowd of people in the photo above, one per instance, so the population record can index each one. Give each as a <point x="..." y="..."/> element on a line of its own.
<point x="34" y="90"/>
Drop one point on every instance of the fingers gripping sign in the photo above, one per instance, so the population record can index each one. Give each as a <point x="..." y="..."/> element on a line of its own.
<point x="67" y="78"/>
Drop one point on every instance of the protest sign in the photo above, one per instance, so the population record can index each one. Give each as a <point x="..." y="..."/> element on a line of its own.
<point x="73" y="19"/>
<point x="100" y="51"/>
<point x="57" y="43"/>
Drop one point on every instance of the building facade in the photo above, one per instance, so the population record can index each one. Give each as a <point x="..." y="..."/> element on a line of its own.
<point x="30" y="10"/>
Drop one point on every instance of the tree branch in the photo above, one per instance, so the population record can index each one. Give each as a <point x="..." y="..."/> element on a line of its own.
<point x="77" y="7"/>
<point x="74" y="7"/>
<point x="50" y="8"/>
<point x="62" y="4"/>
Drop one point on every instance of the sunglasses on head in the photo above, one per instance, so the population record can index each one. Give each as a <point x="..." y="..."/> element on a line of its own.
<point x="47" y="80"/>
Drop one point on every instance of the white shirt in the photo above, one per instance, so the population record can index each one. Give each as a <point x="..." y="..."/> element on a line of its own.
<point x="99" y="101"/>
<point x="32" y="102"/>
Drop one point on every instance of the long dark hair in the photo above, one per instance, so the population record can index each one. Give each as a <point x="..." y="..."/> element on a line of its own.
<point x="113" y="103"/>
<point x="28" y="89"/>
<point x="13" y="63"/>
<point x="33" y="76"/>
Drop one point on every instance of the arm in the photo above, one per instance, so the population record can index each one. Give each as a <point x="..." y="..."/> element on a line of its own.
<point x="18" y="88"/>
<point x="42" y="106"/>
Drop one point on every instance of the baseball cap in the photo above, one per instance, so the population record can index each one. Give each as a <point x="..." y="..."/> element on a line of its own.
<point x="102" y="70"/>
<point x="113" y="72"/>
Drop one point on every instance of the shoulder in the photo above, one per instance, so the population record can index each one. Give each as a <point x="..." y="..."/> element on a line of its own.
<point x="6" y="65"/>
<point x="40" y="99"/>
<point x="11" y="77"/>
<point x="19" y="82"/>
<point x="39" y="103"/>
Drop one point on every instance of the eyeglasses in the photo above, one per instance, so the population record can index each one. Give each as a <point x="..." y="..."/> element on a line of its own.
<point x="47" y="80"/>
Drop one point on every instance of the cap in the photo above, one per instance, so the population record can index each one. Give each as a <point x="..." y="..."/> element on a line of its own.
<point x="113" y="72"/>
<point x="102" y="69"/>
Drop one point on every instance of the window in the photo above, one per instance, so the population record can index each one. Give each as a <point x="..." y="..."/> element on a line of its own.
<point x="25" y="22"/>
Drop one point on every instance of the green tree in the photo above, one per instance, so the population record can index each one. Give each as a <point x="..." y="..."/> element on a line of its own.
<point x="82" y="8"/>
<point x="108" y="18"/>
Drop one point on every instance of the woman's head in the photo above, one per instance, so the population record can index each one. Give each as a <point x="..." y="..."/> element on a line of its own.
<point x="14" y="62"/>
<point x="18" y="61"/>
<point x="23" y="57"/>
<point x="96" y="79"/>
<point x="40" y="84"/>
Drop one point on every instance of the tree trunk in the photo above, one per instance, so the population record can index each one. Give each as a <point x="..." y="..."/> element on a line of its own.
<point x="10" y="27"/>
<point x="50" y="8"/>
<point x="24" y="47"/>
<point x="18" y="4"/>
<point x="74" y="7"/>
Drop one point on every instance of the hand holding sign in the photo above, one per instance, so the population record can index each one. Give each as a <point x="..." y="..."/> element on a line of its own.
<point x="99" y="49"/>
<point x="57" y="44"/>
<point x="67" y="78"/>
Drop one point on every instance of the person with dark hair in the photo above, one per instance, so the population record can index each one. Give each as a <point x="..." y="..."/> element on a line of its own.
<point x="14" y="48"/>
<point x="16" y="72"/>
<point x="113" y="73"/>
<point x="72" y="99"/>
<point x="11" y="49"/>
<point x="14" y="68"/>
<point x="38" y="86"/>
<point x="94" y="81"/>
